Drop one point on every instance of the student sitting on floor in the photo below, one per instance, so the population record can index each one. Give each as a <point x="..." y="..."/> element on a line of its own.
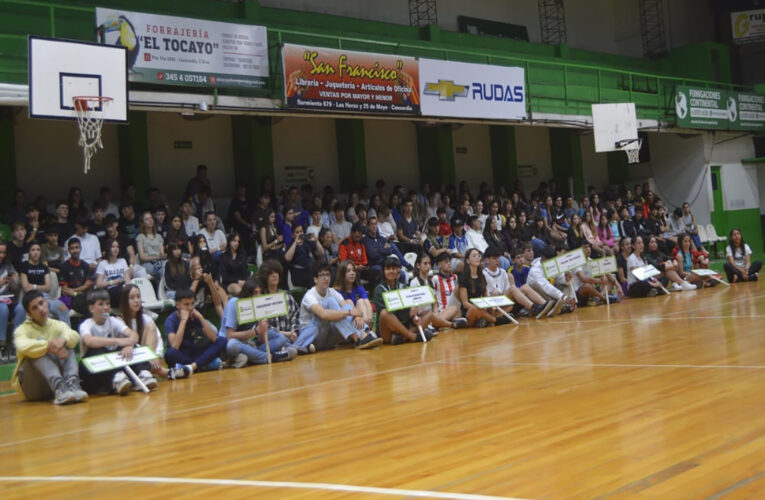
<point x="542" y="285"/>
<point x="101" y="334"/>
<point x="498" y="283"/>
<point x="444" y="284"/>
<point x="194" y="344"/>
<point x="326" y="318"/>
<point x="268" y="278"/>
<point x="640" y="288"/>
<point x="666" y="265"/>
<point x="739" y="266"/>
<point x="473" y="284"/>
<point x="46" y="367"/>
<point x="396" y="327"/>
<point x="347" y="283"/>
<point x="686" y="263"/>
<point x="587" y="287"/>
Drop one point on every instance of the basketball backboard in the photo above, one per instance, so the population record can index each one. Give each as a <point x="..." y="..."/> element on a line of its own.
<point x="614" y="123"/>
<point x="60" y="70"/>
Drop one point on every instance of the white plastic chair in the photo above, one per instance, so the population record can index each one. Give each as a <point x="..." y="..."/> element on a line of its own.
<point x="55" y="289"/>
<point x="148" y="297"/>
<point x="161" y="294"/>
<point x="712" y="233"/>
<point x="703" y="234"/>
<point x="259" y="256"/>
<point x="410" y="258"/>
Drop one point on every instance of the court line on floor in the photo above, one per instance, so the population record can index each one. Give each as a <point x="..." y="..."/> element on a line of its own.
<point x="652" y="319"/>
<point x="346" y="488"/>
<point x="607" y="365"/>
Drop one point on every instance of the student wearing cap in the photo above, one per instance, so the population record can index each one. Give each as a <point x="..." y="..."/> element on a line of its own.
<point x="458" y="243"/>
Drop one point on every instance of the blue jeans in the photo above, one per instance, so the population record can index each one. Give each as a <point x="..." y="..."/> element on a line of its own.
<point x="696" y="241"/>
<point x="54" y="305"/>
<point x="538" y="245"/>
<point x="504" y="262"/>
<point x="325" y="334"/>
<point x="257" y="354"/>
<point x="201" y="355"/>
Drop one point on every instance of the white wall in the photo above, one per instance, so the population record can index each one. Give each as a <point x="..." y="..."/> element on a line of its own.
<point x="741" y="186"/>
<point x="595" y="164"/>
<point x="475" y="165"/>
<point x="49" y="161"/>
<point x="170" y="168"/>
<point x="309" y="142"/>
<point x="533" y="148"/>
<point x="391" y="152"/>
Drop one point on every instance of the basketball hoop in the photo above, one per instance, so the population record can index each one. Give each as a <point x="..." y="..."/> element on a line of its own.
<point x="90" y="118"/>
<point x="632" y="148"/>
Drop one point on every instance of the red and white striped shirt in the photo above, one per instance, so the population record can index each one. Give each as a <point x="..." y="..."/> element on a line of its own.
<point x="444" y="287"/>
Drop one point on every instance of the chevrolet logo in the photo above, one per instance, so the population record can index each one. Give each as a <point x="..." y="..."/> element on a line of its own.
<point x="446" y="90"/>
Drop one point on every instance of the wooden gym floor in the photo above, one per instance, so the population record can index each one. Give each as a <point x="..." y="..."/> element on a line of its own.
<point x="653" y="398"/>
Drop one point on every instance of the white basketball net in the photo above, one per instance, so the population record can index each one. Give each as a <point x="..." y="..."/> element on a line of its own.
<point x="633" y="151"/>
<point x="90" y="119"/>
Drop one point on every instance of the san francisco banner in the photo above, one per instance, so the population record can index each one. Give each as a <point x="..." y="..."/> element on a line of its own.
<point x="183" y="51"/>
<point x="339" y="80"/>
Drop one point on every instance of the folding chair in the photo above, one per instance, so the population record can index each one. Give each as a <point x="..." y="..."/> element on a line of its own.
<point x="714" y="238"/>
<point x="149" y="299"/>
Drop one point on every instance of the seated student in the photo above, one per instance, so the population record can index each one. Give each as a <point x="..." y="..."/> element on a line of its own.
<point x="190" y="221"/>
<point x="625" y="250"/>
<point x="300" y="256"/>
<point x="9" y="286"/>
<point x="666" y="265"/>
<point x="271" y="240"/>
<point x="151" y="247"/>
<point x="537" y="280"/>
<point x="176" y="234"/>
<point x="51" y="254"/>
<point x="458" y="244"/>
<point x="587" y="287"/>
<point x="46" y="366"/>
<point x="101" y="334"/>
<point x="203" y="284"/>
<point x="494" y="239"/>
<point x="76" y="280"/>
<point x="269" y="276"/>
<point x="472" y="284"/>
<point x="378" y="248"/>
<point x="444" y="228"/>
<point x="113" y="272"/>
<point x="176" y="271"/>
<point x="18" y="248"/>
<point x="90" y="247"/>
<point x="498" y="283"/>
<point x="474" y="234"/>
<point x="444" y="284"/>
<point x="352" y="248"/>
<point x="331" y="257"/>
<point x="325" y="317"/>
<point x="97" y="225"/>
<point x="521" y="265"/>
<point x="193" y="344"/>
<point x="216" y="240"/>
<point x="64" y="228"/>
<point x="739" y="266"/>
<point x="685" y="263"/>
<point x="233" y="266"/>
<point x="640" y="288"/>
<point x="408" y="232"/>
<point x="626" y="225"/>
<point x="434" y="244"/>
<point x="396" y="327"/>
<point x="316" y="222"/>
<point x="128" y="221"/>
<point x="245" y="343"/>
<point x="341" y="228"/>
<point x="34" y="275"/>
<point x="386" y="225"/>
<point x="126" y="246"/>
<point x="347" y="283"/>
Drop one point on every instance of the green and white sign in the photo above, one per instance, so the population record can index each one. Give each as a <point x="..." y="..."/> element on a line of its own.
<point x="113" y="360"/>
<point x="404" y="298"/>
<point x="261" y="307"/>
<point x="645" y="272"/>
<point x="564" y="263"/>
<point x="493" y="301"/>
<point x="719" y="109"/>
<point x="606" y="265"/>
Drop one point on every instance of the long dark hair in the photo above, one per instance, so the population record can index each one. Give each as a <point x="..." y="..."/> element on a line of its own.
<point x="124" y="309"/>
<point x="466" y="270"/>
<point x="742" y="246"/>
<point x="176" y="266"/>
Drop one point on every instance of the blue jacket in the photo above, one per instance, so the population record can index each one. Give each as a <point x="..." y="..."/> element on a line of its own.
<point x="376" y="251"/>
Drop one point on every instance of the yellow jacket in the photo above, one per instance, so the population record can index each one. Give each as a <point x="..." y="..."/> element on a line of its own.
<point x="31" y="340"/>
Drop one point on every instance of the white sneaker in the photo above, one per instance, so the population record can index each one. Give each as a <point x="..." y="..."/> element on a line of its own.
<point x="148" y="379"/>
<point x="676" y="287"/>
<point x="121" y="383"/>
<point x="687" y="286"/>
<point x="240" y="361"/>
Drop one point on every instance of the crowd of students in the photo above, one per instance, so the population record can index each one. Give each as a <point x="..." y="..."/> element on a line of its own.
<point x="346" y="254"/>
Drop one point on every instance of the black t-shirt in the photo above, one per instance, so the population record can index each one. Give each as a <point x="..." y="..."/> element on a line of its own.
<point x="129" y="227"/>
<point x="242" y="207"/>
<point x="35" y="272"/>
<point x="621" y="262"/>
<point x="476" y="287"/>
<point x="65" y="230"/>
<point x="73" y="275"/>
<point x="99" y="230"/>
<point x="17" y="254"/>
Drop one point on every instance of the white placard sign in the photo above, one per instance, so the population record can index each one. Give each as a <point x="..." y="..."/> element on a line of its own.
<point x="606" y="265"/>
<point x="467" y="90"/>
<point x="550" y="268"/>
<point x="112" y="360"/>
<point x="645" y="272"/>
<point x="492" y="301"/>
<point x="405" y="298"/>
<point x="705" y="272"/>
<point x="571" y="260"/>
<point x="261" y="307"/>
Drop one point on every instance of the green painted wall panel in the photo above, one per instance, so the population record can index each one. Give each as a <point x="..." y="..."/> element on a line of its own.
<point x="253" y="151"/>
<point x="7" y="157"/>
<point x="134" y="154"/>
<point x="504" y="160"/>
<point x="435" y="153"/>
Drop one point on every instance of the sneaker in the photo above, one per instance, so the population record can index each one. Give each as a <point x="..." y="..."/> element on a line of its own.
<point x="369" y="342"/>
<point x="502" y="320"/>
<point x="148" y="379"/>
<point x="240" y="361"/>
<point x="612" y="298"/>
<point x="593" y="301"/>
<point x="653" y="292"/>
<point x="63" y="396"/>
<point x="677" y="288"/>
<point x="481" y="323"/>
<point x="556" y="309"/>
<point x="284" y="354"/>
<point x="310" y="349"/>
<point x="687" y="286"/>
<point x="460" y="322"/>
<point x="431" y="332"/>
<point x="213" y="365"/>
<point x="121" y="384"/>
<point x="397" y="339"/>
<point x="76" y="390"/>
<point x="540" y="310"/>
<point x="179" y="371"/>
<point x="524" y="313"/>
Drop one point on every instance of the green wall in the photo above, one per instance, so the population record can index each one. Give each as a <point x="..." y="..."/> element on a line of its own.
<point x="566" y="158"/>
<point x="435" y="152"/>
<point x="252" y="139"/>
<point x="7" y="158"/>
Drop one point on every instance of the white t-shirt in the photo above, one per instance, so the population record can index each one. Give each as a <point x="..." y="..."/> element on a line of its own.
<point x="311" y="298"/>
<point x="215" y="240"/>
<point x="497" y="282"/>
<point x="476" y="240"/>
<point x="111" y="329"/>
<point x="384" y="229"/>
<point x="191" y="225"/>
<point x="149" y="323"/>
<point x="112" y="271"/>
<point x="738" y="257"/>
<point x="90" y="248"/>
<point x="633" y="262"/>
<point x="314" y="230"/>
<point x="341" y="229"/>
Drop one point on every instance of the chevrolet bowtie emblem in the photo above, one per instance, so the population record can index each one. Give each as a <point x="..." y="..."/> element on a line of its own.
<point x="446" y="90"/>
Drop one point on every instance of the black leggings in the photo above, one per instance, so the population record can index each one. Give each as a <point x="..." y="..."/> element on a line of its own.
<point x="731" y="271"/>
<point x="639" y="289"/>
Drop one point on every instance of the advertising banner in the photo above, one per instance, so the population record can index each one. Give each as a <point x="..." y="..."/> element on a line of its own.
<point x="465" y="90"/>
<point x="183" y="51"/>
<point x="340" y="80"/>
<point x="719" y="109"/>
<point x="748" y="26"/>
